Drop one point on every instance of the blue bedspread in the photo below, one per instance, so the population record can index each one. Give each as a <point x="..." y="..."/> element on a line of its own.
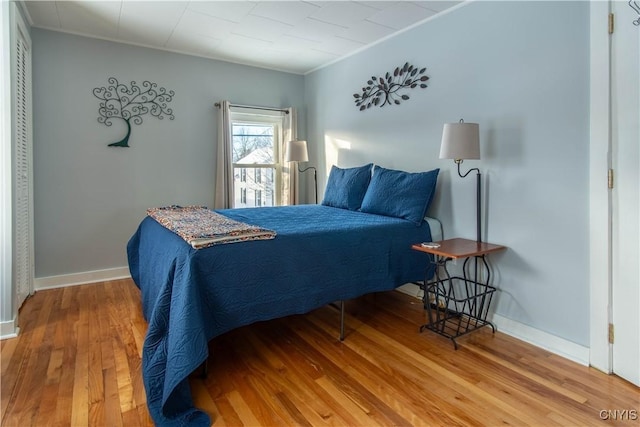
<point x="320" y="255"/>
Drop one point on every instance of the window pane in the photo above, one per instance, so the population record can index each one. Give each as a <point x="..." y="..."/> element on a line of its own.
<point x="258" y="188"/>
<point x="253" y="144"/>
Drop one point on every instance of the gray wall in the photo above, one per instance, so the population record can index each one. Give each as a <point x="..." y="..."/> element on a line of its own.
<point x="520" y="70"/>
<point x="89" y="198"/>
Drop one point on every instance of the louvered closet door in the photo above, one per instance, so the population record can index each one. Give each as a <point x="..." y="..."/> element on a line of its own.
<point x="23" y="251"/>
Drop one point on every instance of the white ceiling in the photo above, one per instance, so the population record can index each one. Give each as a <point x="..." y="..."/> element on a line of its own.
<point x="294" y="36"/>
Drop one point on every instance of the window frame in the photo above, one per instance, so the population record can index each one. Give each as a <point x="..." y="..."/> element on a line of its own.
<point x="262" y="118"/>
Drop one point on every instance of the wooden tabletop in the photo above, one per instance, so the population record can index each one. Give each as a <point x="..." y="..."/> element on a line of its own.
<point x="460" y="248"/>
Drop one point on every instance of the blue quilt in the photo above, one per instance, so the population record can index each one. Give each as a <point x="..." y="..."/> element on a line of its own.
<point x="320" y="255"/>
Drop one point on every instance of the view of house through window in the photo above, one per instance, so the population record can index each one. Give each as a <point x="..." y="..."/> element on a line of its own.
<point x="256" y="169"/>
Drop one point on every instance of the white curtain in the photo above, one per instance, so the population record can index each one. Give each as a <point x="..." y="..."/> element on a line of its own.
<point x="224" y="192"/>
<point x="290" y="178"/>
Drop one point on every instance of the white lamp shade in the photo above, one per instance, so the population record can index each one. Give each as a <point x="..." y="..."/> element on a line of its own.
<point x="460" y="141"/>
<point x="296" y="151"/>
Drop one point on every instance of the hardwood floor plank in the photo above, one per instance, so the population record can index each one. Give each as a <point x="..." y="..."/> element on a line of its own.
<point x="272" y="367"/>
<point x="226" y="415"/>
<point x="402" y="380"/>
<point x="96" y="384"/>
<point x="256" y="385"/>
<point x="361" y="414"/>
<point x="297" y="375"/>
<point x="65" y="340"/>
<point x="202" y="399"/>
<point x="10" y="370"/>
<point x="113" y="415"/>
<point x="243" y="410"/>
<point x="29" y="393"/>
<point x="526" y="372"/>
<point x="336" y="361"/>
<point x="430" y="367"/>
<point x="298" y="417"/>
<point x="80" y="398"/>
<point x="514" y="376"/>
<point x="77" y="361"/>
<point x="410" y="379"/>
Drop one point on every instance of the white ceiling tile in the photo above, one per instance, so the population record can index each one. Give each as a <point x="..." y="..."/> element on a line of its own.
<point x="401" y="15"/>
<point x="247" y="45"/>
<point x="153" y="29"/>
<point x="294" y="43"/>
<point x="293" y="35"/>
<point x="438" y="6"/>
<point x="44" y="13"/>
<point x="205" y="25"/>
<point x="193" y="43"/>
<point x="98" y="18"/>
<point x="311" y="59"/>
<point x="261" y="28"/>
<point x="278" y="58"/>
<point x="380" y="4"/>
<point x="318" y="3"/>
<point x="343" y="13"/>
<point x="230" y="10"/>
<point x="339" y="46"/>
<point x="289" y="12"/>
<point x="140" y="37"/>
<point x="310" y="29"/>
<point x="366" y="32"/>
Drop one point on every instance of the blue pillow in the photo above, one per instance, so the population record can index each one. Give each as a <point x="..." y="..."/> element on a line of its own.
<point x="346" y="187"/>
<point x="400" y="194"/>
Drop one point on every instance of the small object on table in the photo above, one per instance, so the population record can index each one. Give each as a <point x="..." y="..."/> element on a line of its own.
<point x="430" y="245"/>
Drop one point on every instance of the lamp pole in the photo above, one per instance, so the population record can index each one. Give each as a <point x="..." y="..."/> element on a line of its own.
<point x="478" y="196"/>
<point x="315" y="179"/>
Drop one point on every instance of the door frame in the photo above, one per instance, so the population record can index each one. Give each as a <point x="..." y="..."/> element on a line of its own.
<point x="604" y="214"/>
<point x="600" y="224"/>
<point x="7" y="315"/>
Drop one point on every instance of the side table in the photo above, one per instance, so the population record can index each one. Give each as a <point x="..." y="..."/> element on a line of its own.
<point x="458" y="305"/>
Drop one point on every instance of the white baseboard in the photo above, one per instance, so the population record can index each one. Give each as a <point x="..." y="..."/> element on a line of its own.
<point x="560" y="346"/>
<point x="9" y="329"/>
<point x="64" y="280"/>
<point x="411" y="290"/>
<point x="545" y="340"/>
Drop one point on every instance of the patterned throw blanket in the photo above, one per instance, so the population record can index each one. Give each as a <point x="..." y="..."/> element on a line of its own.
<point x="201" y="227"/>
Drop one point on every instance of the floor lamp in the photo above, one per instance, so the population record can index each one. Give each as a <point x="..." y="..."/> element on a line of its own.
<point x="297" y="152"/>
<point x="461" y="141"/>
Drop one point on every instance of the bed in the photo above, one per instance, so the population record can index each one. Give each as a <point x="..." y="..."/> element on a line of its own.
<point x="321" y="254"/>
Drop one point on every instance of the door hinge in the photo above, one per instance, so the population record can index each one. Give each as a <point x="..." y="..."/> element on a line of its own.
<point x="610" y="178"/>
<point x="611" y="336"/>
<point x="611" y="23"/>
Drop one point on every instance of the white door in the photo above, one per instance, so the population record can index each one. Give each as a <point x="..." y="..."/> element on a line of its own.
<point x="22" y="175"/>
<point x="625" y="196"/>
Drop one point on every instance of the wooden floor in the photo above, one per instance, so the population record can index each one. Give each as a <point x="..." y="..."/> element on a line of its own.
<point x="77" y="362"/>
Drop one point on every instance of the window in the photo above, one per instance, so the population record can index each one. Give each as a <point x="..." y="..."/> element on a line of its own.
<point x="256" y="141"/>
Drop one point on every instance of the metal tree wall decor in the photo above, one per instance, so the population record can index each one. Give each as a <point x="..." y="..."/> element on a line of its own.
<point x="130" y="103"/>
<point x="635" y="5"/>
<point x="383" y="90"/>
